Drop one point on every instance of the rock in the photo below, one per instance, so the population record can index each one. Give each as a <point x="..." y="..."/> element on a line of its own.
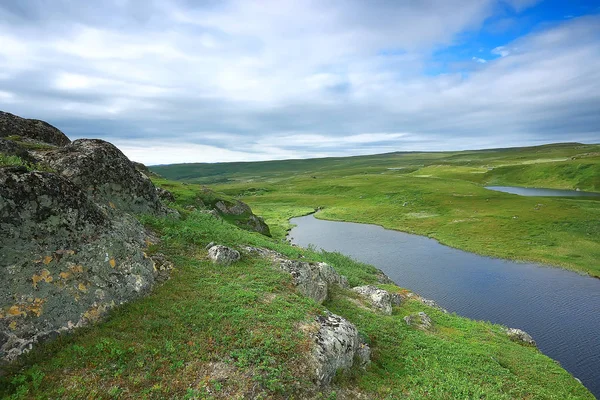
<point x="162" y="267"/>
<point x="313" y="279"/>
<point x="229" y="208"/>
<point x="379" y="298"/>
<point x="214" y="213"/>
<point x="419" y="320"/>
<point x="255" y="223"/>
<point x="107" y="175"/>
<point x="164" y="195"/>
<point x="223" y="255"/>
<point x="520" y="336"/>
<point x="11" y="125"/>
<point x="65" y="261"/>
<point x="337" y="347"/>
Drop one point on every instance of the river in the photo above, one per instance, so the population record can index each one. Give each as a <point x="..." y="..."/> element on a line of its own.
<point x="559" y="308"/>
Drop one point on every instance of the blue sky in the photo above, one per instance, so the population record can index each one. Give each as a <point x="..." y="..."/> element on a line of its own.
<point x="189" y="81"/>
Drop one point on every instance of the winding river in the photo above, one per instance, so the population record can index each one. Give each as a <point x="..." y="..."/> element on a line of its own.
<point x="559" y="308"/>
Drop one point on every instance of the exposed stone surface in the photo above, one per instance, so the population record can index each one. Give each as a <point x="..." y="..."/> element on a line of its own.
<point x="311" y="279"/>
<point x="223" y="255"/>
<point x="255" y="223"/>
<point x="419" y="320"/>
<point x="11" y="125"/>
<point x="106" y="174"/>
<point x="520" y="336"/>
<point x="229" y="208"/>
<point x="379" y="298"/>
<point x="64" y="261"/>
<point x="164" y="195"/>
<point x="337" y="347"/>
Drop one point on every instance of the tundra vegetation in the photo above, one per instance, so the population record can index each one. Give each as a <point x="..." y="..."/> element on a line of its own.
<point x="441" y="195"/>
<point x="229" y="331"/>
<point x="241" y="329"/>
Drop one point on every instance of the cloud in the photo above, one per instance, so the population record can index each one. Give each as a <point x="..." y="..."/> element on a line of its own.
<point x="174" y="81"/>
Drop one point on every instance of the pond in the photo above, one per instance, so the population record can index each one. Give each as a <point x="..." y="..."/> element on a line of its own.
<point x="523" y="191"/>
<point x="558" y="308"/>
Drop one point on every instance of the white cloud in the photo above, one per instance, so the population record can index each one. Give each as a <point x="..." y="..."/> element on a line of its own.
<point x="244" y="80"/>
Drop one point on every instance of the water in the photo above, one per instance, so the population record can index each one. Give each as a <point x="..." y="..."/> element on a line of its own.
<point x="523" y="191"/>
<point x="559" y="308"/>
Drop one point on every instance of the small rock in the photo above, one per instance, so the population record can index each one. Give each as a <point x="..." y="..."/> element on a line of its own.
<point x="165" y="195"/>
<point x="379" y="298"/>
<point x="420" y="321"/>
<point x="520" y="336"/>
<point x="223" y="255"/>
<point x="337" y="346"/>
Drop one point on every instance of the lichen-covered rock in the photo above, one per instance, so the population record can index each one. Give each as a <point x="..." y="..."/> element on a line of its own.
<point x="337" y="346"/>
<point x="11" y="125"/>
<point x="164" y="195"/>
<point x="255" y="223"/>
<point x="313" y="279"/>
<point x="107" y="175"/>
<point x="223" y="255"/>
<point x="65" y="262"/>
<point x="420" y="321"/>
<point x="229" y="208"/>
<point x="379" y="298"/>
<point x="427" y="302"/>
<point x="520" y="336"/>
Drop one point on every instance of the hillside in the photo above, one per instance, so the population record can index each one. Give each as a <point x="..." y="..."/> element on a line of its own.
<point x="440" y="195"/>
<point x="115" y="288"/>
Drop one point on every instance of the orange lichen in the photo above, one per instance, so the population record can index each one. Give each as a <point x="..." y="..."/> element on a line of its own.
<point x="112" y="262"/>
<point x="112" y="205"/>
<point x="15" y="310"/>
<point x="76" y="269"/>
<point x="13" y="325"/>
<point x="43" y="276"/>
<point x="47" y="260"/>
<point x="82" y="287"/>
<point x="65" y="275"/>
<point x="34" y="307"/>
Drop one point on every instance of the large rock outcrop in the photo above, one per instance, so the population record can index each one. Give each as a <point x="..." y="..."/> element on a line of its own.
<point x="337" y="346"/>
<point x="106" y="174"/>
<point x="40" y="131"/>
<point x="64" y="261"/>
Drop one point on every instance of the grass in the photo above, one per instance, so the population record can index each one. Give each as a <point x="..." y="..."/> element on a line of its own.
<point x="220" y="332"/>
<point x="440" y="195"/>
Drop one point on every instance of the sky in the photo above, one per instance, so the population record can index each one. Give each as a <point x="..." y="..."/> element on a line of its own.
<point x="214" y="81"/>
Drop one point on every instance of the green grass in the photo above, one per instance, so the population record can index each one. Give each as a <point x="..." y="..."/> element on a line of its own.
<point x="440" y="195"/>
<point x="233" y="332"/>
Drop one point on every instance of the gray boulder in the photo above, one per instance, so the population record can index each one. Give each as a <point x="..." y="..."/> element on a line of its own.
<point x="255" y="223"/>
<point x="107" y="175"/>
<point x="229" y="208"/>
<point x="520" y="336"/>
<point x="313" y="279"/>
<point x="420" y="321"/>
<point x="164" y="195"/>
<point x="379" y="298"/>
<point x="65" y="261"/>
<point x="337" y="346"/>
<point x="40" y="131"/>
<point x="223" y="255"/>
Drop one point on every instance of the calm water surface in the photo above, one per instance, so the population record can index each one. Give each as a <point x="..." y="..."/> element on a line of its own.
<point x="523" y="191"/>
<point x="559" y="308"/>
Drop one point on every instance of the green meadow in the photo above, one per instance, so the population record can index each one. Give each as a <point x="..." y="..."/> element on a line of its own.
<point x="440" y="195"/>
<point x="231" y="332"/>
